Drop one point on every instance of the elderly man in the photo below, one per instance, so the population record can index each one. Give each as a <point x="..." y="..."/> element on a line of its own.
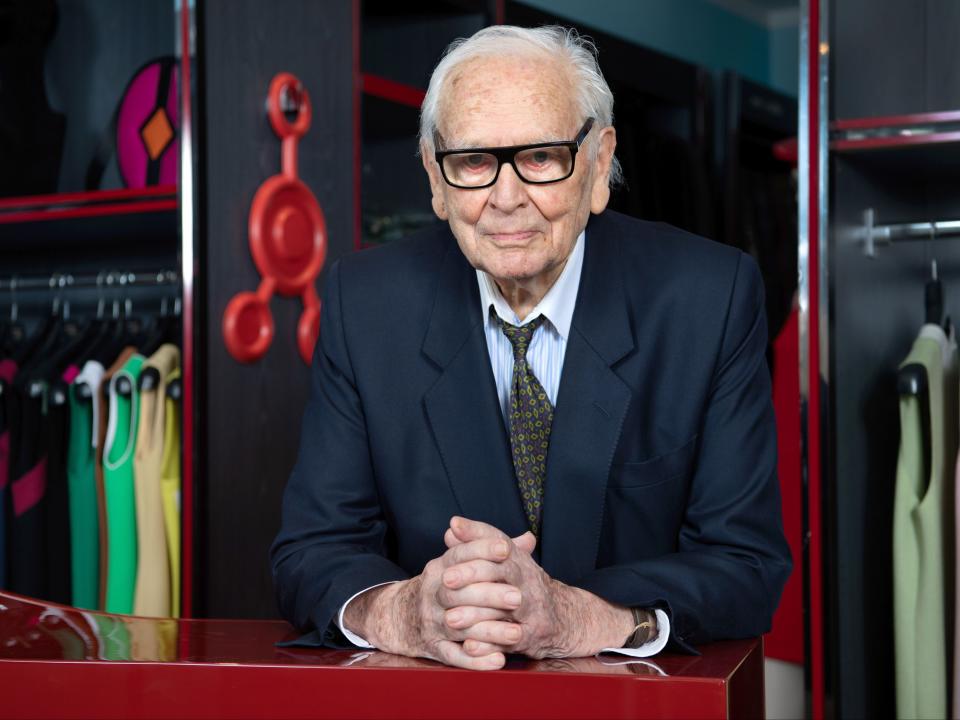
<point x="545" y="429"/>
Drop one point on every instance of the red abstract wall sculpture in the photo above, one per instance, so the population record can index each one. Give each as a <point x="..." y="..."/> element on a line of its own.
<point x="288" y="238"/>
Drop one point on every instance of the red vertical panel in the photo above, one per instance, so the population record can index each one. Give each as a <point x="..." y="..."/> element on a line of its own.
<point x="357" y="129"/>
<point x="785" y="640"/>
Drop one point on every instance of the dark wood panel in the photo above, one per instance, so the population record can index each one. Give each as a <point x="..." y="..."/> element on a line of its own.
<point x="942" y="55"/>
<point x="250" y="414"/>
<point x="877" y="58"/>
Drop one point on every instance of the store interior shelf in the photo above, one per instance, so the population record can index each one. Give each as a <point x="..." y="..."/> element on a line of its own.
<point x="393" y="91"/>
<point x="896" y="133"/>
<point x="893" y="121"/>
<point x="104" y="216"/>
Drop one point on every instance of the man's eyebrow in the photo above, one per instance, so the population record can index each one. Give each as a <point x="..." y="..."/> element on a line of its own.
<point x="467" y="145"/>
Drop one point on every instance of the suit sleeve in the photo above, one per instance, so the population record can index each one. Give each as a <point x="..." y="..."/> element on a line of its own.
<point x="332" y="539"/>
<point x="732" y="560"/>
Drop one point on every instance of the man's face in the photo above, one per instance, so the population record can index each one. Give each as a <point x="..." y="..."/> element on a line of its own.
<point x="515" y="231"/>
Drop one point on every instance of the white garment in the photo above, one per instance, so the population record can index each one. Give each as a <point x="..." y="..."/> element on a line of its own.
<point x="92" y="375"/>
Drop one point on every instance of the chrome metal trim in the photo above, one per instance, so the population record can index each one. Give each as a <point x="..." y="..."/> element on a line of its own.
<point x="187" y="170"/>
<point x="870" y="234"/>
<point x="803" y="226"/>
<point x="803" y="303"/>
<point x="825" y="291"/>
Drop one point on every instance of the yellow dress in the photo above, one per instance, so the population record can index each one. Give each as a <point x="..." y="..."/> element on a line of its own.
<point x="152" y="597"/>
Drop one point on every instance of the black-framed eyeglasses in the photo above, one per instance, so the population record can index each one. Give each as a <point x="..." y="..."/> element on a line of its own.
<point x="537" y="164"/>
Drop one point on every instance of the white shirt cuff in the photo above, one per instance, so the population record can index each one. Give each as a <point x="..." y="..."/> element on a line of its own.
<point x="652" y="646"/>
<point x="353" y="637"/>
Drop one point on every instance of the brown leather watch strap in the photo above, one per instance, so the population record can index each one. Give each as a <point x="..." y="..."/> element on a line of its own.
<point x="645" y="628"/>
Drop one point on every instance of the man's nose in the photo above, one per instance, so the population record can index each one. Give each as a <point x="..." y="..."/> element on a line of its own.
<point x="509" y="191"/>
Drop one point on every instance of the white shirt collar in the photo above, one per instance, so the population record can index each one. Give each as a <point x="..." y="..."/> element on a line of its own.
<point x="556" y="306"/>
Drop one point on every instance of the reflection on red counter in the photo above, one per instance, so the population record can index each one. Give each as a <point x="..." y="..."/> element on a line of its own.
<point x="61" y="662"/>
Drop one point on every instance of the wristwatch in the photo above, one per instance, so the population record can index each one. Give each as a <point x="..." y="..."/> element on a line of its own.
<point x="644" y="630"/>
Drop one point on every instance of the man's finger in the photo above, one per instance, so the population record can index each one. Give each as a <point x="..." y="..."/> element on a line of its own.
<point x="526" y="542"/>
<point x="475" y="648"/>
<point x="492" y="549"/>
<point x="452" y="653"/>
<point x="449" y="539"/>
<point x="463" y="616"/>
<point x="467" y="530"/>
<point x="496" y="632"/>
<point x="489" y="595"/>
<point x="462" y="574"/>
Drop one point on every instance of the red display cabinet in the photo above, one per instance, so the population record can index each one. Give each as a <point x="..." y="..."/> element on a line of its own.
<point x="61" y="662"/>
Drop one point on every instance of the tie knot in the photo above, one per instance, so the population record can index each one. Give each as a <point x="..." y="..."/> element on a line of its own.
<point x="520" y="335"/>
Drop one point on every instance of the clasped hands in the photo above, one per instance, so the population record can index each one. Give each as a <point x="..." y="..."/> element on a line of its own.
<point x="484" y="597"/>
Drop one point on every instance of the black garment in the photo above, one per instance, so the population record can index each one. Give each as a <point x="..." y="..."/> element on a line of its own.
<point x="661" y="489"/>
<point x="57" y="499"/>
<point x="27" y="546"/>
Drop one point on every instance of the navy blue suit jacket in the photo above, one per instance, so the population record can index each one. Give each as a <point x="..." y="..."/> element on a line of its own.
<point x="661" y="485"/>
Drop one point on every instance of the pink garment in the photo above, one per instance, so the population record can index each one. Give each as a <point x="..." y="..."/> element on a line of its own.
<point x="28" y="490"/>
<point x="70" y="374"/>
<point x="8" y="368"/>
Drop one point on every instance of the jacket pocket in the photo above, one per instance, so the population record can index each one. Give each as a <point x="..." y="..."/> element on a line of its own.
<point x="660" y="469"/>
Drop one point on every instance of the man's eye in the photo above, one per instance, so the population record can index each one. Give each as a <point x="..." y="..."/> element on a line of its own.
<point x="476" y="162"/>
<point x="539" y="157"/>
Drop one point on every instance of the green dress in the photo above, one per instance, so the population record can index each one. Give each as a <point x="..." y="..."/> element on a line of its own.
<point x="82" y="491"/>
<point x="920" y="535"/>
<point x="118" y="488"/>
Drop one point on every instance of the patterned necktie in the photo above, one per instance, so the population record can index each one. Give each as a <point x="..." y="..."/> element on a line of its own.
<point x="531" y="416"/>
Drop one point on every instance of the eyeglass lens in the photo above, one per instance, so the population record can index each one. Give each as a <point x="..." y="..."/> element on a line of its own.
<point x="545" y="164"/>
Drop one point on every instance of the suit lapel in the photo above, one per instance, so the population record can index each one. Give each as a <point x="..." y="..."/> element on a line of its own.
<point x="592" y="403"/>
<point x="462" y="406"/>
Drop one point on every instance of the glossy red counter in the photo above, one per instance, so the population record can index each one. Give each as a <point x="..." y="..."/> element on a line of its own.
<point x="59" y="662"/>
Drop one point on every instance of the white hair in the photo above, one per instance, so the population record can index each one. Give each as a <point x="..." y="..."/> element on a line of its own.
<point x="591" y="93"/>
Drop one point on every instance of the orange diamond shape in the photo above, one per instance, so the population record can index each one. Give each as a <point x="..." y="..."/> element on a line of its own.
<point x="157" y="133"/>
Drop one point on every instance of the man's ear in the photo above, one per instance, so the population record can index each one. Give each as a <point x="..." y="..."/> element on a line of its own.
<point x="600" y="192"/>
<point x="436" y="182"/>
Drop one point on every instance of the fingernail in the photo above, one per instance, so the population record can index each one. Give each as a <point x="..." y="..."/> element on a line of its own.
<point x="454" y="617"/>
<point x="501" y="548"/>
<point x="513" y="634"/>
<point x="451" y="577"/>
<point x="513" y="598"/>
<point x="496" y="660"/>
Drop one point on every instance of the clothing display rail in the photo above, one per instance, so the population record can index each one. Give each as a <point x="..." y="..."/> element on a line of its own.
<point x="110" y="279"/>
<point x="872" y="235"/>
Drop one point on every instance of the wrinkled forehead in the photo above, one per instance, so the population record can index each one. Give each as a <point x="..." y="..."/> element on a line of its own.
<point x="510" y="100"/>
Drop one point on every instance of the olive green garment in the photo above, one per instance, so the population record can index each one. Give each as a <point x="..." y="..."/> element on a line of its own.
<point x="82" y="489"/>
<point x="956" y="595"/>
<point x="152" y="597"/>
<point x="118" y="489"/>
<point x="920" y="536"/>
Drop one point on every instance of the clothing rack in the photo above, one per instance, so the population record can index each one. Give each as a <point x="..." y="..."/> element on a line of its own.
<point x="103" y="280"/>
<point x="872" y="235"/>
<point x="113" y="284"/>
